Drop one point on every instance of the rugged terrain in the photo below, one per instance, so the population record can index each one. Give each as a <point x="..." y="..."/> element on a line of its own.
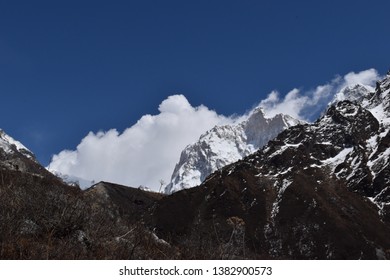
<point x="316" y="191"/>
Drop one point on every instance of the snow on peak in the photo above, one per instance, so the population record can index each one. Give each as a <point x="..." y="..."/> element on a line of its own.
<point x="376" y="100"/>
<point x="354" y="93"/>
<point x="10" y="145"/>
<point x="225" y="144"/>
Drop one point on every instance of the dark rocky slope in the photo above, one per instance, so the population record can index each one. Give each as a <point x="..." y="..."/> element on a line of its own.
<point x="317" y="191"/>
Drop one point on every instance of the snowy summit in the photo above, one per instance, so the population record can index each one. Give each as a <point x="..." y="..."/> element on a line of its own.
<point x="225" y="144"/>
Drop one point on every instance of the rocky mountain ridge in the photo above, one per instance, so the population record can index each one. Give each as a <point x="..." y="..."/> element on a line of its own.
<point x="315" y="191"/>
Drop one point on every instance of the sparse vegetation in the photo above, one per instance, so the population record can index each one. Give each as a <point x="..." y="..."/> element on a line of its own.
<point x="45" y="219"/>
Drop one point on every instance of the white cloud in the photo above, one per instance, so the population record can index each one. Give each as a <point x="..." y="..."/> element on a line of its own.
<point x="292" y="104"/>
<point x="144" y="153"/>
<point x="367" y="77"/>
<point x="308" y="104"/>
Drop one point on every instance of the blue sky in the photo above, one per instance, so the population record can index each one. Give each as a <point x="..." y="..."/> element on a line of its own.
<point x="71" y="67"/>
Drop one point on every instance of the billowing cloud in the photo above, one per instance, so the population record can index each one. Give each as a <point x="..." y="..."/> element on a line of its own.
<point x="367" y="77"/>
<point x="144" y="153"/>
<point x="308" y="104"/>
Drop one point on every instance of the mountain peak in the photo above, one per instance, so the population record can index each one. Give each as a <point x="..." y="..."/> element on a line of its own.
<point x="10" y="145"/>
<point x="223" y="145"/>
<point x="355" y="93"/>
<point x="15" y="156"/>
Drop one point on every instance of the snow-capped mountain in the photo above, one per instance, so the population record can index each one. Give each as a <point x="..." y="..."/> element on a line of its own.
<point x="366" y="165"/>
<point x="316" y="191"/>
<point x="223" y="145"/>
<point x="8" y="145"/>
<point x="15" y="156"/>
<point x="355" y="93"/>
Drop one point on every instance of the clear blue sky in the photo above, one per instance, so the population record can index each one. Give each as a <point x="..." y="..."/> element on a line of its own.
<point x="70" y="67"/>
